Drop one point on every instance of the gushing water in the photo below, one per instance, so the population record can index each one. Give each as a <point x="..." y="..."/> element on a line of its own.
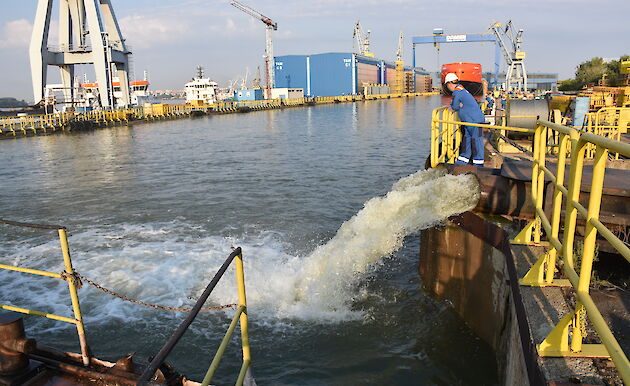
<point x="160" y="263"/>
<point x="323" y="284"/>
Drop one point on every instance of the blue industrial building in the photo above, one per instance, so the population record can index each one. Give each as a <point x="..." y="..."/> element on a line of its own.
<point x="248" y="95"/>
<point x="333" y="73"/>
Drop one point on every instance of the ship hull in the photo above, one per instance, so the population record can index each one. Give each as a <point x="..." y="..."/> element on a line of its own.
<point x="469" y="74"/>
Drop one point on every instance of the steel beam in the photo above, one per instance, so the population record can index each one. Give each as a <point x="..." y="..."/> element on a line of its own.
<point x="461" y="38"/>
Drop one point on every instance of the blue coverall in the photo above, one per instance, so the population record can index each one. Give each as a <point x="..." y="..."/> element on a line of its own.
<point x="469" y="111"/>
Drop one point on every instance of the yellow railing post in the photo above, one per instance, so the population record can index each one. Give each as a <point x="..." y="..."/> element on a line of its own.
<point x="240" y="317"/>
<point x="242" y="301"/>
<point x="573" y="196"/>
<point x="434" y="138"/>
<point x="458" y="135"/>
<point x="557" y="206"/>
<point x="594" y="203"/>
<point x="85" y="350"/>
<point x="535" y="181"/>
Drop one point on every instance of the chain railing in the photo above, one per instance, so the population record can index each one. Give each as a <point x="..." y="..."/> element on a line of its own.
<point x="74" y="279"/>
<point x="68" y="275"/>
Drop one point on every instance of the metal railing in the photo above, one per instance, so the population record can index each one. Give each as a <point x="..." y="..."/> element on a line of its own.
<point x="566" y="338"/>
<point x="609" y="122"/>
<point x="446" y="136"/>
<point x="68" y="275"/>
<point x="239" y="317"/>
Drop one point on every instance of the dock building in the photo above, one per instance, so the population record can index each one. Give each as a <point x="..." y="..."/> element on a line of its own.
<point x="343" y="73"/>
<point x="536" y="81"/>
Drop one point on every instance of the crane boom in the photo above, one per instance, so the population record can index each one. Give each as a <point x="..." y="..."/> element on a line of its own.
<point x="270" y="26"/>
<point x="514" y="57"/>
<point x="268" y="22"/>
<point x="363" y="40"/>
<point x="399" y="51"/>
<point x="506" y="53"/>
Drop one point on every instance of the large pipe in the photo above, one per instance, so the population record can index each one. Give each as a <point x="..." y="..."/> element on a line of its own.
<point x="524" y="113"/>
<point x="499" y="195"/>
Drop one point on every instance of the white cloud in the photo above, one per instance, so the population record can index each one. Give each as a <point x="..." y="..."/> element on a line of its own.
<point x="16" y="34"/>
<point x="149" y="31"/>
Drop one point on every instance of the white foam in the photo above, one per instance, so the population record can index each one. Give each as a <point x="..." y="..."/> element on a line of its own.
<point x="325" y="283"/>
<point x="171" y="263"/>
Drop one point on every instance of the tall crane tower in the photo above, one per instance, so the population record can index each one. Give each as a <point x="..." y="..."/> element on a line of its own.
<point x="270" y="26"/>
<point x="362" y="39"/>
<point x="515" y="75"/>
<point x="399" y="75"/>
<point x="88" y="34"/>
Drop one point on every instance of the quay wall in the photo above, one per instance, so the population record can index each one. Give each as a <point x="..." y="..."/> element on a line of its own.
<point x="31" y="125"/>
<point x="471" y="274"/>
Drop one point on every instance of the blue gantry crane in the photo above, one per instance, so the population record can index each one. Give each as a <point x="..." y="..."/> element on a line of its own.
<point x="439" y="37"/>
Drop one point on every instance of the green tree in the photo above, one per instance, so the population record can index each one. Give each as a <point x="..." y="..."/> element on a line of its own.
<point x="590" y="71"/>
<point x="613" y="70"/>
<point x="593" y="70"/>
<point x="569" y="85"/>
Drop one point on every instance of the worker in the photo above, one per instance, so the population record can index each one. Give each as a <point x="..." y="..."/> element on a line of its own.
<point x="469" y="111"/>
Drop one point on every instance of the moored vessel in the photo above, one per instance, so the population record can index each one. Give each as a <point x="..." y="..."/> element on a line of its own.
<point x="469" y="75"/>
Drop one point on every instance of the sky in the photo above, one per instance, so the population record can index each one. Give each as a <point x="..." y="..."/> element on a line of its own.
<point x="169" y="38"/>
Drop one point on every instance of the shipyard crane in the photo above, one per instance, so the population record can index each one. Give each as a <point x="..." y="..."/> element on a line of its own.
<point x="256" y="80"/>
<point x="514" y="57"/>
<point x="244" y="79"/>
<point x="270" y="26"/>
<point x="399" y="51"/>
<point x="105" y="49"/>
<point x="399" y="74"/>
<point x="362" y="39"/>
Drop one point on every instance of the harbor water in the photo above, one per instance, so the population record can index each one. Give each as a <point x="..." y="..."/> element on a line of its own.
<point x="326" y="202"/>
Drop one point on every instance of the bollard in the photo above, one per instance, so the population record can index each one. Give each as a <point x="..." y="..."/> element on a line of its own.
<point x="13" y="346"/>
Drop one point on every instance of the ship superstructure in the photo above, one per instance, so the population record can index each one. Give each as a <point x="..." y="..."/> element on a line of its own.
<point x="201" y="90"/>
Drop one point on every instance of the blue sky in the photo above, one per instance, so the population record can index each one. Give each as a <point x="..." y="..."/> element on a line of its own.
<point x="170" y="37"/>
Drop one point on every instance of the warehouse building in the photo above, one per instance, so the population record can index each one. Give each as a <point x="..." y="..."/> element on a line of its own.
<point x="342" y="73"/>
<point x="536" y="81"/>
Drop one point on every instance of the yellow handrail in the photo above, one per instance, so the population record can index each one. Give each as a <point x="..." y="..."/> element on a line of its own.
<point x="609" y="122"/>
<point x="566" y="338"/>
<point x="67" y="275"/>
<point x="446" y="135"/>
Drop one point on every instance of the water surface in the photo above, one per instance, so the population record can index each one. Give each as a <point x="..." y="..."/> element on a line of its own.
<point x="154" y="208"/>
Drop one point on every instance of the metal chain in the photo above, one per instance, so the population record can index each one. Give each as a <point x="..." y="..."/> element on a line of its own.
<point x="78" y="279"/>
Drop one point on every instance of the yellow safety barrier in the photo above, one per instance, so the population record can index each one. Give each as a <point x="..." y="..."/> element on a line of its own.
<point x="609" y="122"/>
<point x="567" y="337"/>
<point x="445" y="137"/>
<point x="67" y="275"/>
